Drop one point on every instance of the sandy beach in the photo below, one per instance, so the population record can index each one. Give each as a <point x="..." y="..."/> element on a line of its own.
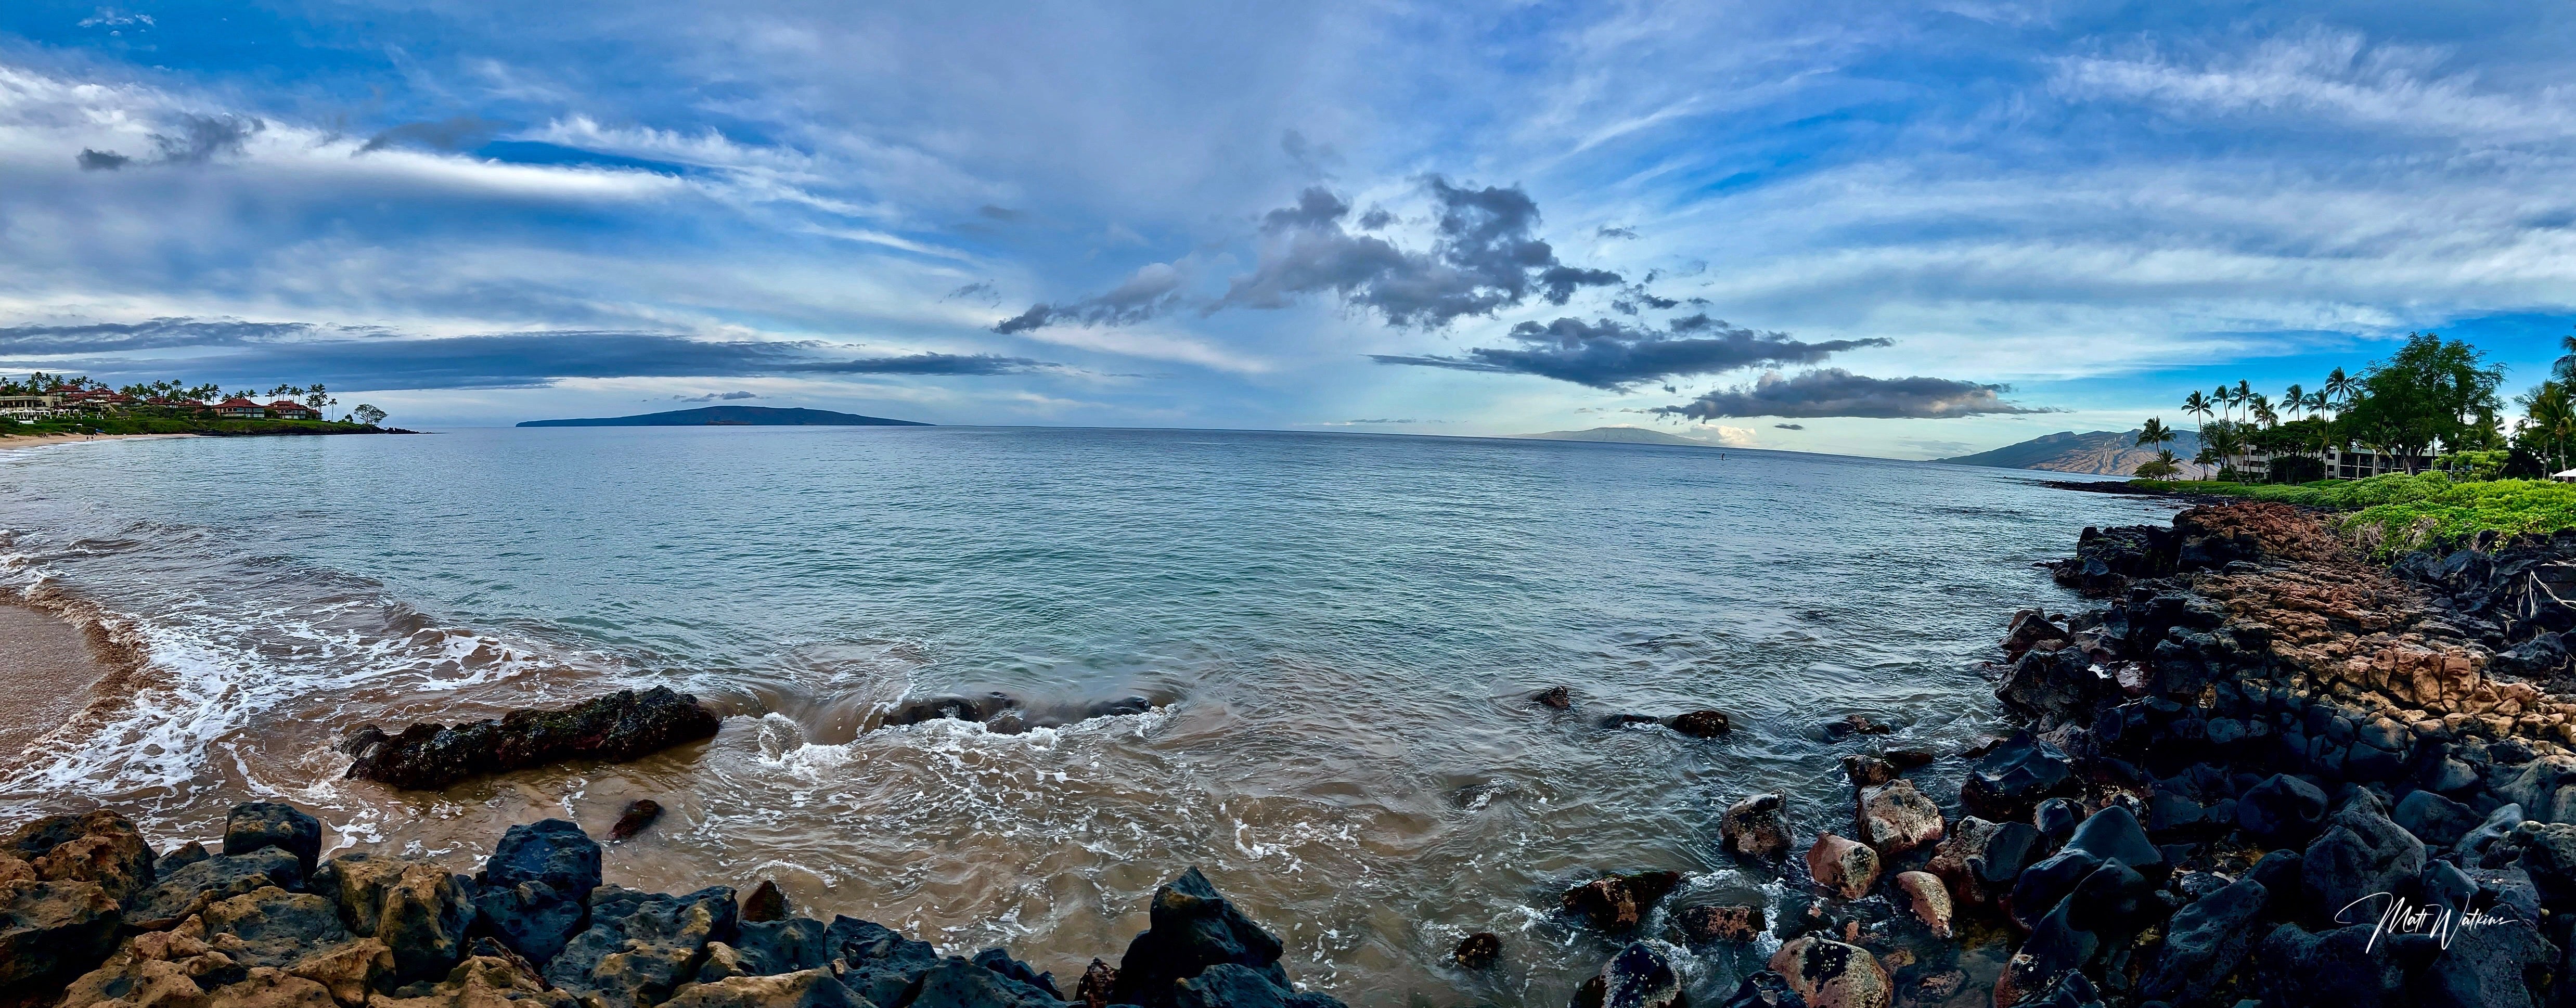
<point x="46" y="673"/>
<point x="34" y="440"/>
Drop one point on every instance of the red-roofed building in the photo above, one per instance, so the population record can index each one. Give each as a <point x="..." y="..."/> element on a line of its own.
<point x="289" y="409"/>
<point x="238" y="408"/>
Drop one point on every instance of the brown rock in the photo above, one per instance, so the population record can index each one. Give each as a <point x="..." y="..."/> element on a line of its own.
<point x="53" y="929"/>
<point x="1868" y="771"/>
<point x="1701" y="925"/>
<point x="2031" y="630"/>
<point x="348" y="970"/>
<point x="639" y="814"/>
<point x="1754" y="829"/>
<point x="1556" y="697"/>
<point x="1843" y="867"/>
<point x="266" y="987"/>
<point x="478" y="982"/>
<point x="1929" y="898"/>
<point x="1093" y="991"/>
<point x="1618" y="902"/>
<point x="1895" y="818"/>
<point x="101" y="847"/>
<point x="1965" y="839"/>
<point x="765" y="903"/>
<point x="1830" y="974"/>
<point x="1479" y="950"/>
<point x="1701" y="724"/>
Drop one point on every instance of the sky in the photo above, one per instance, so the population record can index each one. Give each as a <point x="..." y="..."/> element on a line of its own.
<point x="1906" y="230"/>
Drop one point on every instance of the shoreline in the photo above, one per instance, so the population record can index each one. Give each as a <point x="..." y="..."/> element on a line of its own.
<point x="39" y="440"/>
<point x="65" y="666"/>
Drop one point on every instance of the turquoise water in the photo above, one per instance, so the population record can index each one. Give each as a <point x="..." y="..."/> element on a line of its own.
<point x="1341" y="632"/>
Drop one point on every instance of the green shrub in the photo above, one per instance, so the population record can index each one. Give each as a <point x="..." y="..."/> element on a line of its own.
<point x="2390" y="515"/>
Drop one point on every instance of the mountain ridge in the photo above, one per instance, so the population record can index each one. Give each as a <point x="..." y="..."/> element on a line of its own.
<point x="2101" y="453"/>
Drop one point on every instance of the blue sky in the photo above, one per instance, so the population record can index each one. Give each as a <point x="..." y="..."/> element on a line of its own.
<point x="1905" y="230"/>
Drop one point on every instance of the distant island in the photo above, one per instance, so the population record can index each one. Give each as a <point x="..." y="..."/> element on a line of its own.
<point x="2103" y="453"/>
<point x="1621" y="435"/>
<point x="733" y="416"/>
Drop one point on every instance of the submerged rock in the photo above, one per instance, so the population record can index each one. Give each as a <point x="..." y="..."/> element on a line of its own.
<point x="1477" y="951"/>
<point x="1640" y="977"/>
<point x="640" y="814"/>
<point x="618" y="727"/>
<point x="1702" y="925"/>
<point x="1616" y="903"/>
<point x="1554" y="698"/>
<point x="1701" y="724"/>
<point x="1753" y="828"/>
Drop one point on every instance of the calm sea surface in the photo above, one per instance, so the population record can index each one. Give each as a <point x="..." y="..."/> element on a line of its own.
<point x="1342" y="630"/>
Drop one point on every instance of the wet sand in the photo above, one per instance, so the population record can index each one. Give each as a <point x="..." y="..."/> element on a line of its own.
<point x="47" y="669"/>
<point x="34" y="440"/>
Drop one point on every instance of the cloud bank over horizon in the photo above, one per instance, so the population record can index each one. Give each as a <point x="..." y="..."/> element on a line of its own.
<point x="1889" y="226"/>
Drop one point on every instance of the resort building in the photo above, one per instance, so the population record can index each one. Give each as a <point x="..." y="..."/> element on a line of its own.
<point x="29" y="407"/>
<point x="2348" y="462"/>
<point x="289" y="409"/>
<point x="238" y="408"/>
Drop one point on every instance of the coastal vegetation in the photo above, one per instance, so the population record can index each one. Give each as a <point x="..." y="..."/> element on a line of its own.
<point x="51" y="404"/>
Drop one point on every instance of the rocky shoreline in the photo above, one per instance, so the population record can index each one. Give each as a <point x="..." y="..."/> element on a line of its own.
<point x="2262" y="769"/>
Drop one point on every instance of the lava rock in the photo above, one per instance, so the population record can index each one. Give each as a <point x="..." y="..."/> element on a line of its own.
<point x="641" y="946"/>
<point x="766" y="903"/>
<point x="622" y="726"/>
<point x="2489" y="965"/>
<point x="180" y="857"/>
<point x="1896" y="818"/>
<point x="53" y="929"/>
<point x="2040" y="887"/>
<point x="534" y="889"/>
<point x="1093" y="991"/>
<point x="1854" y="724"/>
<point x="782" y="946"/>
<point x="2204" y="943"/>
<point x="1616" y="903"/>
<point x="220" y="877"/>
<point x="1554" y="697"/>
<point x="1702" y="925"/>
<point x="2361" y="853"/>
<point x="255" y="825"/>
<point x="1640" y="977"/>
<point x="1842" y="867"/>
<point x="479" y="982"/>
<point x="957" y="983"/>
<point x="2438" y="821"/>
<point x="419" y="910"/>
<point x="2057" y="818"/>
<point x="2016" y="775"/>
<point x="638" y="816"/>
<point x="101" y="847"/>
<point x="1700" y="724"/>
<point x="1191" y="928"/>
<point x="2032" y="629"/>
<point x="1478" y="951"/>
<point x="2113" y="834"/>
<point x="2549" y="854"/>
<point x="813" y="988"/>
<point x="876" y="962"/>
<point x="2487" y="845"/>
<point x="1765" y="989"/>
<point x="1928" y="898"/>
<point x="1754" y="828"/>
<point x="1868" y="771"/>
<point x="1829" y="974"/>
<point x="2283" y="811"/>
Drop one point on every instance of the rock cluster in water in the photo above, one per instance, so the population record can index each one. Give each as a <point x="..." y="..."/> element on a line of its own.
<point x="621" y="726"/>
<point x="2265" y="772"/>
<point x="90" y="918"/>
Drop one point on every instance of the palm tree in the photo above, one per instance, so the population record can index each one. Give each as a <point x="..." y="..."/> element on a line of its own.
<point x="2220" y="398"/>
<point x="2161" y="467"/>
<point x="2261" y="410"/>
<point x="2196" y="406"/>
<point x="2155" y="432"/>
<point x="2319" y="402"/>
<point x="2341" y="387"/>
<point x="2294" y="400"/>
<point x="2242" y="394"/>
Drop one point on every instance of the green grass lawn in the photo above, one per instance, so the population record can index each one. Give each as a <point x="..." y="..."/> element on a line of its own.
<point x="2393" y="514"/>
<point x="148" y="423"/>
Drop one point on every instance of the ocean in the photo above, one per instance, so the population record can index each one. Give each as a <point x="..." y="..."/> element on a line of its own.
<point x="1340" y="634"/>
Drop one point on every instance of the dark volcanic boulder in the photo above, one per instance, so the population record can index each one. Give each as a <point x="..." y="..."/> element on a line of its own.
<point x="878" y="963"/>
<point x="1765" y="989"/>
<point x="2204" y="942"/>
<point x="641" y="946"/>
<point x="2360" y="854"/>
<point x="622" y="726"/>
<point x="2489" y="965"/>
<point x="2348" y="967"/>
<point x="50" y="930"/>
<point x="1640" y="977"/>
<point x="1700" y="724"/>
<point x="1702" y="925"/>
<point x="479" y="982"/>
<point x="2438" y="821"/>
<point x="220" y="877"/>
<point x="533" y="889"/>
<point x="2282" y="811"/>
<point x="101" y="847"/>
<point x="256" y="825"/>
<point x="957" y="983"/>
<point x="765" y="903"/>
<point x="639" y="815"/>
<point x="1476" y="951"/>
<point x="2016" y="775"/>
<point x="2114" y="835"/>
<point x="1191" y="928"/>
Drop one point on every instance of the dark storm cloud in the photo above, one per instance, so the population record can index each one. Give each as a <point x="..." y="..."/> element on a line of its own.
<point x="1483" y="259"/>
<point x="458" y="133"/>
<point x="1607" y="354"/>
<point x="1790" y="426"/>
<point x="1376" y="219"/>
<point x="230" y="350"/>
<point x="1834" y="392"/>
<point x="99" y="160"/>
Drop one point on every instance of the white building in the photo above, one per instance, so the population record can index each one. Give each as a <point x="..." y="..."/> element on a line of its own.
<point x="2347" y="462"/>
<point x="30" y="407"/>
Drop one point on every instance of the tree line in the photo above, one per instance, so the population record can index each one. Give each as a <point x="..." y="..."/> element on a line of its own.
<point x="314" y="397"/>
<point x="2434" y="399"/>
